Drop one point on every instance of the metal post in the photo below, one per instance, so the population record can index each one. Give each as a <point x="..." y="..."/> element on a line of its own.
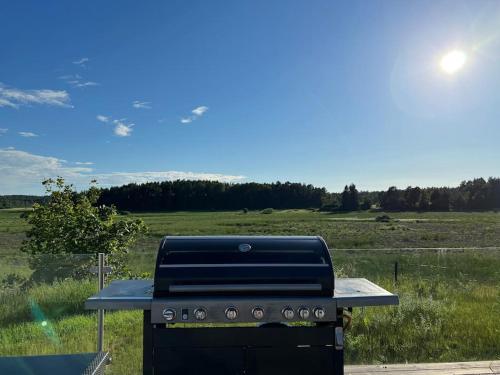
<point x="100" y="313"/>
<point x="147" y="343"/>
<point x="338" y="352"/>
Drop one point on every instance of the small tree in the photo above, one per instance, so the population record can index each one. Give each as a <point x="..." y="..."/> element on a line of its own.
<point x="440" y="200"/>
<point x="423" y="203"/>
<point x="365" y="204"/>
<point x="353" y="197"/>
<point x="391" y="200"/>
<point x="412" y="197"/>
<point x="345" y="204"/>
<point x="71" y="223"/>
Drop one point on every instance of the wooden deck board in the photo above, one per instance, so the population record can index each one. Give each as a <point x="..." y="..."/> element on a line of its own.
<point x="454" y="368"/>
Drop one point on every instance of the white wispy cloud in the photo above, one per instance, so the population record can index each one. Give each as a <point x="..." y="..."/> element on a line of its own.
<point x="15" y="98"/>
<point x="196" y="113"/>
<point x="22" y="173"/>
<point x="122" y="127"/>
<point x="87" y="84"/>
<point x="141" y="105"/>
<point x="7" y="103"/>
<point x="103" y="118"/>
<point x="121" y="178"/>
<point x="70" y="77"/>
<point x="199" y="111"/>
<point x="82" y="61"/>
<point x="76" y="80"/>
<point x="3" y="131"/>
<point x="27" y="134"/>
<point x="84" y="163"/>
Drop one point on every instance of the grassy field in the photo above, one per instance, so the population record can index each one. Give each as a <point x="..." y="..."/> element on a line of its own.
<point x="342" y="230"/>
<point x="450" y="299"/>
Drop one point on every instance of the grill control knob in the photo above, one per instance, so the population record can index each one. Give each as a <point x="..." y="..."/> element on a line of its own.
<point x="231" y="313"/>
<point x="258" y="313"/>
<point x="200" y="314"/>
<point x="169" y="314"/>
<point x="288" y="313"/>
<point x="319" y="312"/>
<point x="304" y="313"/>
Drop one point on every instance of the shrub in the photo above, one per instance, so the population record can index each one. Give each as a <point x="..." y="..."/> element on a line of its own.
<point x="12" y="281"/>
<point x="245" y="210"/>
<point x="267" y="211"/>
<point x="71" y="223"/>
<point x="365" y="205"/>
<point x="383" y="218"/>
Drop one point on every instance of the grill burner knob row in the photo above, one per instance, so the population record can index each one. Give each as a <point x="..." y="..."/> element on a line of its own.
<point x="319" y="312"/>
<point x="288" y="313"/>
<point x="304" y="313"/>
<point x="200" y="314"/>
<point x="169" y="314"/>
<point x="258" y="313"/>
<point x="231" y="313"/>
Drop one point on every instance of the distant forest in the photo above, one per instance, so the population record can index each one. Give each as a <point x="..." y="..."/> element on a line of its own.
<point x="476" y="194"/>
<point x="212" y="195"/>
<point x="19" y="201"/>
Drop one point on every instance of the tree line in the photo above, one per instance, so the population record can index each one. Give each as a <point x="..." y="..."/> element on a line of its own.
<point x="475" y="194"/>
<point x="17" y="201"/>
<point x="211" y="195"/>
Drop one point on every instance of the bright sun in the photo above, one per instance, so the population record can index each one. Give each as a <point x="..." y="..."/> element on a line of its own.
<point x="453" y="61"/>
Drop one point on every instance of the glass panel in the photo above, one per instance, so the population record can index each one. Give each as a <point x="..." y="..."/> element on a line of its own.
<point x="42" y="304"/>
<point x="449" y="305"/>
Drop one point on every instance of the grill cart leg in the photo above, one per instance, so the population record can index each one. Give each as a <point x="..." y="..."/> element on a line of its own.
<point x="338" y="353"/>
<point x="147" y="344"/>
<point x="100" y="312"/>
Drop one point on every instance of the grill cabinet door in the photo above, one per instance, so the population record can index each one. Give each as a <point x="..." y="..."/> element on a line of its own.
<point x="206" y="361"/>
<point x="290" y="361"/>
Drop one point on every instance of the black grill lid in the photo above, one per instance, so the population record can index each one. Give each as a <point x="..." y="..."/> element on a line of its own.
<point x="243" y="265"/>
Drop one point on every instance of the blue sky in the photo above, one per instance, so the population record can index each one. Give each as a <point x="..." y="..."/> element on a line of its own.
<point x="321" y="92"/>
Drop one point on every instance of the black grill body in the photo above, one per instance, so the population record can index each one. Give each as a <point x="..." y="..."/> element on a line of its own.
<point x="229" y="279"/>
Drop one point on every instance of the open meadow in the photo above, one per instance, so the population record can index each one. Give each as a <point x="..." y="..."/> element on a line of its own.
<point x="450" y="298"/>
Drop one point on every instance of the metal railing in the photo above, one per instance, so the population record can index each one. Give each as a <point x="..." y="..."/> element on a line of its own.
<point x="432" y="283"/>
<point x="100" y="313"/>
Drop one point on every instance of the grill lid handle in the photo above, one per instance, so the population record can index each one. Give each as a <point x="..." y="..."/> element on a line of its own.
<point x="244" y="288"/>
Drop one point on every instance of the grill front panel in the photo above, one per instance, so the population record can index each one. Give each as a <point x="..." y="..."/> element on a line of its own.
<point x="187" y="310"/>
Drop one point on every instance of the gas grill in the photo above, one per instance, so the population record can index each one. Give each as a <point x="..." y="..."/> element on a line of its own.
<point x="243" y="279"/>
<point x="242" y="305"/>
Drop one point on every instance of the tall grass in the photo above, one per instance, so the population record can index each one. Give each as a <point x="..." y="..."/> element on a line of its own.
<point x="77" y="334"/>
<point x="340" y="230"/>
<point x="432" y="323"/>
<point x="45" y="302"/>
<point x="450" y="300"/>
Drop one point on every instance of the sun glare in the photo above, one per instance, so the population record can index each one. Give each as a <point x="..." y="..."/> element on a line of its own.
<point x="453" y="61"/>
